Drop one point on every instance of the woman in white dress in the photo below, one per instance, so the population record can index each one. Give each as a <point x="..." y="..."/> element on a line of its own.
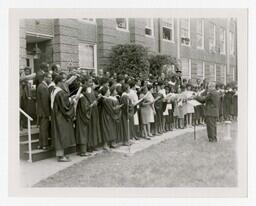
<point x="187" y="107"/>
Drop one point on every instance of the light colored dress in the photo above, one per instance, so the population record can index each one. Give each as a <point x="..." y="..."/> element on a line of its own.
<point x="147" y="111"/>
<point x="134" y="98"/>
<point x="187" y="107"/>
<point x="178" y="106"/>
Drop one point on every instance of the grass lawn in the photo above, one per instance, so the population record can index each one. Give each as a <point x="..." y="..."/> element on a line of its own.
<point x="178" y="162"/>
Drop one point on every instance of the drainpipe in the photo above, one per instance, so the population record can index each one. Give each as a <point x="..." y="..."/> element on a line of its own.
<point x="178" y="39"/>
<point x="228" y="52"/>
<point x="159" y="36"/>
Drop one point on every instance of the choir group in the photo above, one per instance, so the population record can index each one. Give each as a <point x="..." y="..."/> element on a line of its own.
<point x="109" y="110"/>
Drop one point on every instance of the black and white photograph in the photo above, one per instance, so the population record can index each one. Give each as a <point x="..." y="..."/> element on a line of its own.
<point x="134" y="101"/>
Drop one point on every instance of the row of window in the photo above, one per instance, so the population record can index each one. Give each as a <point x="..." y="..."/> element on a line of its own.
<point x="168" y="33"/>
<point x="203" y="70"/>
<point x="190" y="68"/>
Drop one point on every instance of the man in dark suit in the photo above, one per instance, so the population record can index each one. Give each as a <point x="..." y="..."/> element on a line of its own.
<point x="211" y="99"/>
<point x="43" y="109"/>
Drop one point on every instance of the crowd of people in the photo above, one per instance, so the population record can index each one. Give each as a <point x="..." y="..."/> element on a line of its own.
<point x="89" y="111"/>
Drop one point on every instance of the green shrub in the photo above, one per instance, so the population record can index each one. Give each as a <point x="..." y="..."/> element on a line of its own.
<point x="131" y="59"/>
<point x="158" y="62"/>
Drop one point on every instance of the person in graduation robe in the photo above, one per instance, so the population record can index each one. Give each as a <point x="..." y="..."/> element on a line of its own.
<point x="83" y="119"/>
<point x="127" y="121"/>
<point x="158" y="104"/>
<point x="235" y="103"/>
<point x="227" y="103"/>
<point x="220" y="90"/>
<point x="62" y="120"/>
<point x="110" y="115"/>
<point x="94" y="135"/>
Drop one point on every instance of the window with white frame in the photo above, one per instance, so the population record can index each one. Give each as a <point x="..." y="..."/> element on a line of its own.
<point x="122" y="24"/>
<point x="212" y="37"/>
<point x="232" y="43"/>
<point x="168" y="29"/>
<point x="199" y="69"/>
<point x="234" y="73"/>
<point x="231" y="73"/>
<point x="87" y="56"/>
<point x="222" y="41"/>
<point x="220" y="73"/>
<point x="185" y="31"/>
<point x="223" y="72"/>
<point x="229" y="70"/>
<point x="149" y="28"/>
<point x="200" y="33"/>
<point x="210" y="72"/>
<point x="185" y="66"/>
<point x="89" y="20"/>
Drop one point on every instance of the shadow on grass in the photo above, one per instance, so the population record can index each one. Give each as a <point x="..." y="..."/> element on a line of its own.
<point x="178" y="162"/>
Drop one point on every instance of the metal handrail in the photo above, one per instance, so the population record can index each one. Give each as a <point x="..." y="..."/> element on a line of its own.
<point x="26" y="115"/>
<point x="29" y="135"/>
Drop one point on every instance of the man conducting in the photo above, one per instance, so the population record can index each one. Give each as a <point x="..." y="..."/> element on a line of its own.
<point x="211" y="99"/>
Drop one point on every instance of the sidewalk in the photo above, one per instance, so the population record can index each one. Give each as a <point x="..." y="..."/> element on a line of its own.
<point x="31" y="173"/>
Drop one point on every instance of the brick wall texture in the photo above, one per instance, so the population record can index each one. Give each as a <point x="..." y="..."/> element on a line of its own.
<point x="67" y="34"/>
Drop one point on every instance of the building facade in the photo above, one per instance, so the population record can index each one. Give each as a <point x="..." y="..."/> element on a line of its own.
<point x="206" y="48"/>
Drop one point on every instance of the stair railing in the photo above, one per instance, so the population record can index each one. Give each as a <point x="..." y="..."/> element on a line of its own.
<point x="29" y="119"/>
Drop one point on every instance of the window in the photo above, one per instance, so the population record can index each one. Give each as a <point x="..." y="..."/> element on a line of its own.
<point x="232" y="43"/>
<point x="212" y="37"/>
<point x="89" y="20"/>
<point x="122" y="24"/>
<point x="231" y="73"/>
<point x="87" y="56"/>
<point x="149" y="28"/>
<point x="210" y="72"/>
<point x="200" y="34"/>
<point x="197" y="69"/>
<point x="185" y="32"/>
<point x="222" y="41"/>
<point x="168" y="31"/>
<point x="220" y="73"/>
<point x="234" y="73"/>
<point x="185" y="66"/>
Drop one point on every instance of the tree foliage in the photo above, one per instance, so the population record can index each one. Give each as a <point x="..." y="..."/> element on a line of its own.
<point x="131" y="59"/>
<point x="159" y="64"/>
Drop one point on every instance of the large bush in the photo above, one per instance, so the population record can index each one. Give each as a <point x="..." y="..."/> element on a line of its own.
<point x="131" y="59"/>
<point x="159" y="63"/>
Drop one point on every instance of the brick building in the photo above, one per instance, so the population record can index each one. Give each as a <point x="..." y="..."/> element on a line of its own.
<point x="206" y="48"/>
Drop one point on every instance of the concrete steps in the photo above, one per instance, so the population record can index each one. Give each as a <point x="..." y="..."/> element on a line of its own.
<point x="37" y="154"/>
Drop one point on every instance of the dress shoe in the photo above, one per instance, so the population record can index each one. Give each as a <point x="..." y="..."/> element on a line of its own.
<point x="83" y="154"/>
<point x="63" y="159"/>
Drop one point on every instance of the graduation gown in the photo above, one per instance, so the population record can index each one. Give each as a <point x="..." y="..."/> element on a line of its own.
<point x="110" y="116"/>
<point x="127" y="112"/>
<point x="221" y="105"/>
<point x="234" y="105"/>
<point x="94" y="133"/>
<point x="228" y="103"/>
<point x="159" y="107"/>
<point x="83" y="117"/>
<point x="62" y="121"/>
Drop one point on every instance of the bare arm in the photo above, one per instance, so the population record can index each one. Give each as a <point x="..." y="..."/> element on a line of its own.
<point x="71" y="79"/>
<point x="27" y="77"/>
